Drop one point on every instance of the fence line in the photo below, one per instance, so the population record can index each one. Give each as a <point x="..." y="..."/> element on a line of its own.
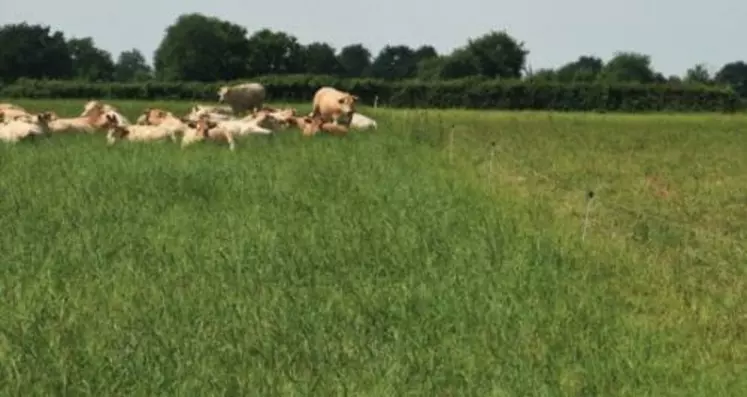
<point x="593" y="201"/>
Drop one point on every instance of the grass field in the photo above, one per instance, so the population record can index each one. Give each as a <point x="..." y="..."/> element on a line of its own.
<point x="419" y="259"/>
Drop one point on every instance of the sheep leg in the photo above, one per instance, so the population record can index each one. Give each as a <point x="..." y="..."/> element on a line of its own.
<point x="231" y="144"/>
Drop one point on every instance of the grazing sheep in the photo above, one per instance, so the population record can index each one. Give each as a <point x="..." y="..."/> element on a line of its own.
<point x="242" y="97"/>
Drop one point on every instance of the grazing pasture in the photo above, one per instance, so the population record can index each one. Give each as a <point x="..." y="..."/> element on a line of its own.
<point x="418" y="259"/>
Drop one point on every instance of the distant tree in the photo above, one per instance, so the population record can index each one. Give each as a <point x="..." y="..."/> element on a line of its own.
<point x="698" y="74"/>
<point x="629" y="67"/>
<point x="542" y="75"/>
<point x="355" y="60"/>
<point x="321" y="59"/>
<point x="201" y="48"/>
<point x="734" y="74"/>
<point x="460" y="63"/>
<point x="395" y="63"/>
<point x="131" y="66"/>
<point x="430" y="68"/>
<point x="33" y="51"/>
<point x="425" y="52"/>
<point x="659" y="78"/>
<point x="275" y="53"/>
<point x="674" y="79"/>
<point x="497" y="55"/>
<point x="584" y="69"/>
<point x="426" y="61"/>
<point x="89" y="62"/>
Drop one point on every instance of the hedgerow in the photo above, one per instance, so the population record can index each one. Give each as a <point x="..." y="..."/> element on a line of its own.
<point x="472" y="93"/>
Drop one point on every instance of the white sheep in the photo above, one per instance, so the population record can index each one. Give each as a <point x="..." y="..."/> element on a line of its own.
<point x="89" y="124"/>
<point x="247" y="125"/>
<point x="205" y="129"/>
<point x="134" y="133"/>
<point x="152" y="116"/>
<point x="97" y="107"/>
<point x="361" y="122"/>
<point x="214" y="113"/>
<point x="16" y="130"/>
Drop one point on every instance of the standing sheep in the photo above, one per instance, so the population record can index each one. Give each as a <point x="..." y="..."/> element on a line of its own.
<point x="332" y="104"/>
<point x="242" y="97"/>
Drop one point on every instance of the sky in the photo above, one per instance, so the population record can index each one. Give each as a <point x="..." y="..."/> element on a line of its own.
<point x="677" y="34"/>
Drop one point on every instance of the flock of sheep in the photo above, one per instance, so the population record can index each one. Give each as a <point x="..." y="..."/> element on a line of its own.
<point x="333" y="112"/>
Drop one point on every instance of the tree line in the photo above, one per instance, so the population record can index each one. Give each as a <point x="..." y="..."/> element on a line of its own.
<point x="201" y="48"/>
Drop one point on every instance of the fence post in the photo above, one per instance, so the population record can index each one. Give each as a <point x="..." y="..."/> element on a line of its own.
<point x="589" y="199"/>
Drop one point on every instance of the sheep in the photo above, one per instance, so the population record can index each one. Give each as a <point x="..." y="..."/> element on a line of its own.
<point x="242" y="97"/>
<point x="310" y="126"/>
<point x="224" y="110"/>
<point x="158" y="117"/>
<point x="15" y="113"/>
<point x="361" y="122"/>
<point x="214" y="113"/>
<point x="275" y="119"/>
<point x="134" y="133"/>
<point x="205" y="129"/>
<point x="10" y="106"/>
<point x="330" y="104"/>
<point x="89" y="124"/>
<point x="16" y="130"/>
<point x="93" y="107"/>
<point x="247" y="125"/>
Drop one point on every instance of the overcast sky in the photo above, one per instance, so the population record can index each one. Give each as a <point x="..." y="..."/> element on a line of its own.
<point x="676" y="33"/>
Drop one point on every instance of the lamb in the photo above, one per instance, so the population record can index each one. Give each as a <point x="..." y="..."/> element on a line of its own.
<point x="205" y="129"/>
<point x="275" y="119"/>
<point x="17" y="130"/>
<point x="361" y="122"/>
<point x="15" y="113"/>
<point x="214" y="113"/>
<point x="158" y="117"/>
<point x="94" y="107"/>
<point x="4" y="106"/>
<point x="134" y="133"/>
<point x="247" y="125"/>
<point x="89" y="124"/>
<point x="310" y="126"/>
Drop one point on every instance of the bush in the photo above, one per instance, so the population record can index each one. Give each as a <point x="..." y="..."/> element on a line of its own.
<point x="473" y="93"/>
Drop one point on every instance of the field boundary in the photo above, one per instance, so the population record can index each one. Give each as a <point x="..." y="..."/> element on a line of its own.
<point x="594" y="205"/>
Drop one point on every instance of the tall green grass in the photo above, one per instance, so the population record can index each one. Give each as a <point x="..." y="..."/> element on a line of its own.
<point x="373" y="265"/>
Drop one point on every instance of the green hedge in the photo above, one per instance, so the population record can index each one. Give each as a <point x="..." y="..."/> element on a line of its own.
<point x="474" y="93"/>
